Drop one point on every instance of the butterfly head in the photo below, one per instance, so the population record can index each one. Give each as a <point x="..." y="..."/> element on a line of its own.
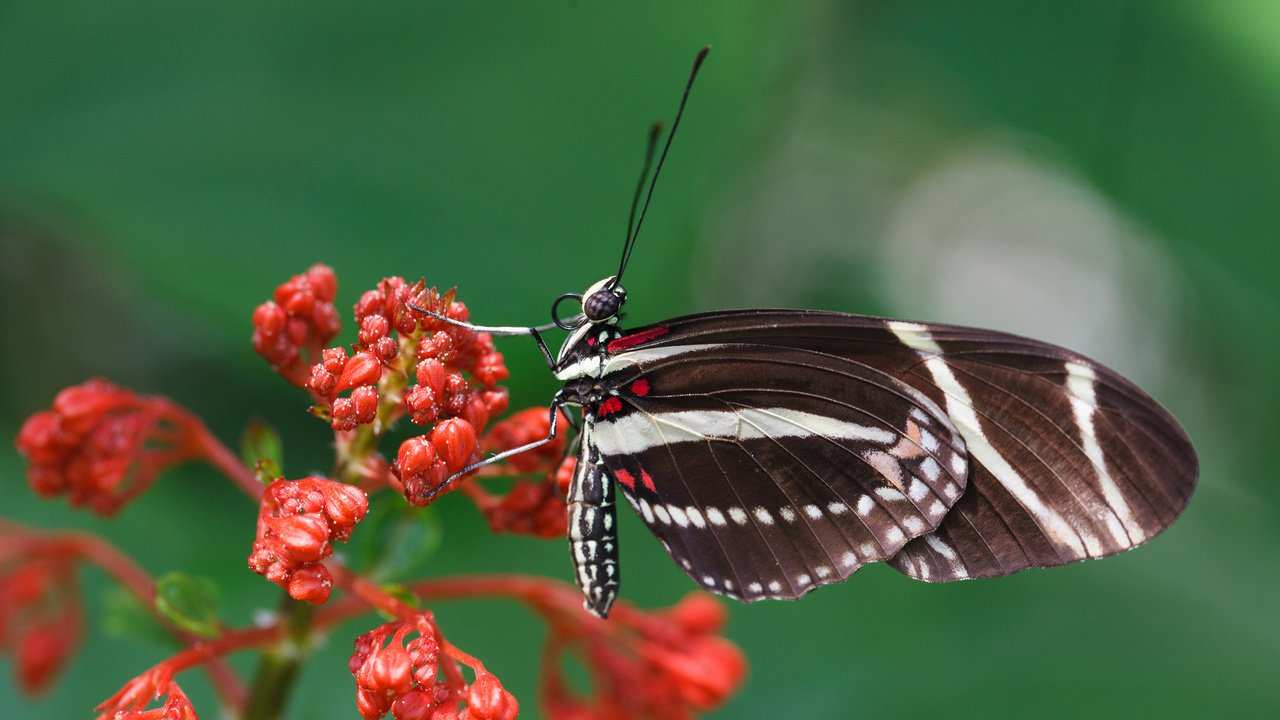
<point x="602" y="302"/>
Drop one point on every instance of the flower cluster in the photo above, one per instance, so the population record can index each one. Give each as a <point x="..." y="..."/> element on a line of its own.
<point x="297" y="523"/>
<point x="405" y="678"/>
<point x="290" y="329"/>
<point x="40" y="614"/>
<point x="415" y="357"/>
<point x="102" y="445"/>
<point x="529" y="507"/>
<point x="667" y="666"/>
<point x="130" y="702"/>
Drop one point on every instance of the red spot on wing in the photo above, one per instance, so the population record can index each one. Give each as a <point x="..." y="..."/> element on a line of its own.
<point x="625" y="478"/>
<point x="630" y="341"/>
<point x="640" y="387"/>
<point x="610" y="406"/>
<point x="647" y="480"/>
<point x="591" y="342"/>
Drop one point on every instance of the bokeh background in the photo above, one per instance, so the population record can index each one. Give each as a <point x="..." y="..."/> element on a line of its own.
<point x="1102" y="174"/>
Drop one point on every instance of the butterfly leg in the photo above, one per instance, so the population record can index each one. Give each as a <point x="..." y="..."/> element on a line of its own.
<point x="551" y="435"/>
<point x="501" y="331"/>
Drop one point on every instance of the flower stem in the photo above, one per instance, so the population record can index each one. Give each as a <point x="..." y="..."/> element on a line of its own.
<point x="280" y="664"/>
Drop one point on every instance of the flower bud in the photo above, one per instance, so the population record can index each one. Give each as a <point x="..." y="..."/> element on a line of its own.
<point x="488" y="700"/>
<point x="387" y="670"/>
<point x="304" y="537"/>
<point x="455" y="442"/>
<point x="699" y="614"/>
<point x="415" y="456"/>
<point x="334" y="359"/>
<point x="363" y="368"/>
<point x="323" y="282"/>
<point x="270" y="318"/>
<point x="345" y="505"/>
<point x="311" y="584"/>
<point x="413" y="705"/>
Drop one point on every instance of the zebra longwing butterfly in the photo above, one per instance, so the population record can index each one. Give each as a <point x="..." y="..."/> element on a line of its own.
<point x="774" y="451"/>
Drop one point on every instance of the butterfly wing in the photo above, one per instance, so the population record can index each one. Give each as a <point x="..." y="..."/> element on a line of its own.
<point x="768" y="471"/>
<point x="1066" y="460"/>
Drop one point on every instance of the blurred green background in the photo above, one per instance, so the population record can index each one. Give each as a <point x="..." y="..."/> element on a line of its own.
<point x="1100" y="174"/>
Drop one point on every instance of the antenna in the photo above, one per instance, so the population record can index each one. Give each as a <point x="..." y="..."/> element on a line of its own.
<point x="654" y="133"/>
<point x="633" y="233"/>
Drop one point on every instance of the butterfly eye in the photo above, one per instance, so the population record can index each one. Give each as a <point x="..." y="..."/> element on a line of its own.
<point x="603" y="303"/>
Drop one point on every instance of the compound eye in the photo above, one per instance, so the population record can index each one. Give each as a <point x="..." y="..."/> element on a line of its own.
<point x="603" y="304"/>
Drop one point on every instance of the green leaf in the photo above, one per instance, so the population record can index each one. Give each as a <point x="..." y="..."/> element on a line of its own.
<point x="396" y="538"/>
<point x="125" y="617"/>
<point x="262" y="449"/>
<point x="190" y="602"/>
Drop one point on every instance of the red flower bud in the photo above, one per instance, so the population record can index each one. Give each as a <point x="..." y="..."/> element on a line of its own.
<point x="455" y="442"/>
<point x="41" y="653"/>
<point x="323" y="282"/>
<point x="345" y="505"/>
<point x="416" y="455"/>
<point x="705" y="672"/>
<point x="322" y="382"/>
<point x="488" y="700"/>
<point x="334" y="359"/>
<point x="413" y="705"/>
<point x="431" y="373"/>
<point x="699" y="614"/>
<point x="311" y="584"/>
<point x="365" y="400"/>
<point x="371" y="705"/>
<point x="421" y="404"/>
<point x="270" y="318"/>
<point x="80" y="407"/>
<point x="38" y="439"/>
<point x="305" y="538"/>
<point x="564" y="475"/>
<point x="363" y="368"/>
<point x="386" y="348"/>
<point x="372" y="329"/>
<point x="475" y="412"/>
<point x="496" y="401"/>
<point x="387" y="670"/>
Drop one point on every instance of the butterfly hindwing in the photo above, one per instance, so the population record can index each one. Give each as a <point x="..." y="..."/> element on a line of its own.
<point x="768" y="471"/>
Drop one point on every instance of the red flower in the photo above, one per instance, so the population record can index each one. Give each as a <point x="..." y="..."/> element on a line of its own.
<point x="130" y="701"/>
<point x="420" y="679"/>
<point x="525" y="427"/>
<point x="290" y="330"/>
<point x="102" y="445"/>
<point x="660" y="665"/>
<point x="297" y="523"/>
<point x="40" y="616"/>
<point x="394" y="676"/>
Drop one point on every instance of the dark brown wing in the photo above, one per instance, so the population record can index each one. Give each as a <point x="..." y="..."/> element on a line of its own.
<point x="1067" y="459"/>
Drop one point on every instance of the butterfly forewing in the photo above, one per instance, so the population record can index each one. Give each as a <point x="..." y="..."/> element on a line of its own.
<point x="1070" y="460"/>
<point x="1066" y="460"/>
<point x="767" y="471"/>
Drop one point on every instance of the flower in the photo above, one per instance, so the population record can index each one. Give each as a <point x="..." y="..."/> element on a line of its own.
<point x="129" y="702"/>
<point x="661" y="665"/>
<point x="41" y="615"/>
<point x="297" y="523"/>
<point x="102" y="445"/>
<point x="290" y="329"/>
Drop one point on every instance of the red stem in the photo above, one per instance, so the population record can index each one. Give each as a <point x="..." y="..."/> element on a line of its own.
<point x="139" y="583"/>
<point x="218" y="455"/>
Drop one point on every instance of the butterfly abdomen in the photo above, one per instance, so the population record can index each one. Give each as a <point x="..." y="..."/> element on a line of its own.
<point x="593" y="528"/>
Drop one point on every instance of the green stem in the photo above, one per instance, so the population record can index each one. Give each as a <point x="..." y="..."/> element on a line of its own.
<point x="278" y="670"/>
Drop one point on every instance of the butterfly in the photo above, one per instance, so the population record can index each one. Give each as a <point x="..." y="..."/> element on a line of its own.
<point x="773" y="451"/>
